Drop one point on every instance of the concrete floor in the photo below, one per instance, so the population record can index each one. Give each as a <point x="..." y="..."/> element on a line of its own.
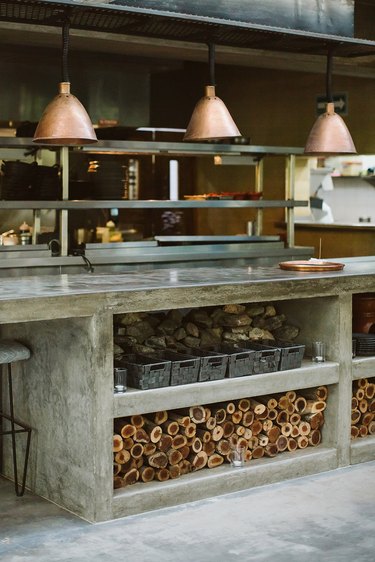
<point x="328" y="517"/>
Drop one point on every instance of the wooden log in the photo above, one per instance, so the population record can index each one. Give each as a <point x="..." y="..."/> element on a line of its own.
<point x="354" y="403"/>
<point x="283" y="402"/>
<point x="132" y="463"/>
<point x="122" y="457"/>
<point x="304" y="428"/>
<point x="300" y="404"/>
<point x="256" y="427"/>
<point x="253" y="442"/>
<point x="162" y="474"/>
<point x="228" y="429"/>
<point x="257" y="407"/>
<point x="273" y="434"/>
<point x="137" y="451"/>
<point x="248" y="418"/>
<point x="270" y="450"/>
<point x="197" y="414"/>
<point x="185" y="451"/>
<point x="263" y="439"/>
<point x="370" y="391"/>
<point x="128" y="443"/>
<point x="210" y="446"/>
<point x="242" y="442"/>
<point x="315" y="437"/>
<point x="267" y="424"/>
<point x="360" y="394"/>
<point x="131" y="477"/>
<point x="295" y="431"/>
<point x="263" y="415"/>
<point x="185" y="467"/>
<point x="295" y="418"/>
<point x="174" y="471"/>
<point x="140" y="436"/>
<point x="154" y="431"/>
<point x="222" y="447"/>
<point x="363" y="406"/>
<point x="198" y="460"/>
<point x="248" y="455"/>
<point x="210" y="423"/>
<point x="319" y="393"/>
<point x="179" y="418"/>
<point x="281" y="443"/>
<point x="354" y="432"/>
<point x="196" y="445"/>
<point x="362" y="383"/>
<point x="116" y="468"/>
<point x="371" y="407"/>
<point x="208" y="412"/>
<point x="272" y="414"/>
<point x="315" y="420"/>
<point x="371" y="428"/>
<point x="149" y="449"/>
<point x="248" y="433"/>
<point x="236" y="417"/>
<point x="178" y="441"/>
<point x="313" y="406"/>
<point x="159" y="417"/>
<point x="230" y="407"/>
<point x="118" y="443"/>
<point x="126" y="430"/>
<point x="137" y="420"/>
<point x="219" y="413"/>
<point x="363" y="430"/>
<point x="146" y="473"/>
<point x="174" y="456"/>
<point x="282" y="417"/>
<point x="203" y="434"/>
<point x="158" y="460"/>
<point x="355" y="416"/>
<point x="118" y="482"/>
<point x="271" y="403"/>
<point x="190" y="430"/>
<point x="233" y="439"/>
<point x="170" y="427"/>
<point x="217" y="433"/>
<point x="214" y="460"/>
<point x="258" y="452"/>
<point x="244" y="404"/>
<point x="286" y="429"/>
<point x="292" y="444"/>
<point x="291" y="395"/>
<point x="240" y="430"/>
<point x="302" y="441"/>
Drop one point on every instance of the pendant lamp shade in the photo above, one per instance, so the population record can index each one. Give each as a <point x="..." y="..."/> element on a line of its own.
<point x="329" y="134"/>
<point x="211" y="119"/>
<point x="65" y="120"/>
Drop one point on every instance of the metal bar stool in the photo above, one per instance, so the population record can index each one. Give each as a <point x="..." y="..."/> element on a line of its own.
<point x="11" y="351"/>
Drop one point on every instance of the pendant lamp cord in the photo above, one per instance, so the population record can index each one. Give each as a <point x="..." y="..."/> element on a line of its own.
<point x="65" y="48"/>
<point x="329" y="77"/>
<point x="211" y="62"/>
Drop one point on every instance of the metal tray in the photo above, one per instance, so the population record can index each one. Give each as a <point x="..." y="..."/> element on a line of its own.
<point x="311" y="265"/>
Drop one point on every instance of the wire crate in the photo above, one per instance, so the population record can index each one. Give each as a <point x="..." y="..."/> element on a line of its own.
<point x="146" y="372"/>
<point x="213" y="366"/>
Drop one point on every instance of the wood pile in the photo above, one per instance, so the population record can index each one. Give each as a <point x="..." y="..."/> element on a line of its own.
<point x="169" y="444"/>
<point x="363" y="408"/>
<point x="181" y="330"/>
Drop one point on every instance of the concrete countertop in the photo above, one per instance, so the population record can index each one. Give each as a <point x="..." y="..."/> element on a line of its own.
<point x="63" y="296"/>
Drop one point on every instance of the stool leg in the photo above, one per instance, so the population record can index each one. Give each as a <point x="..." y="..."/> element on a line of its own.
<point x="19" y="491"/>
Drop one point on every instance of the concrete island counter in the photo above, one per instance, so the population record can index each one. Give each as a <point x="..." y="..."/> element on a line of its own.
<point x="65" y="390"/>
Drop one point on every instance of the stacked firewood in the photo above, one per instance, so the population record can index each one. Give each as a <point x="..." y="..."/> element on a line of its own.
<point x="181" y="330"/>
<point x="169" y="444"/>
<point x="363" y="408"/>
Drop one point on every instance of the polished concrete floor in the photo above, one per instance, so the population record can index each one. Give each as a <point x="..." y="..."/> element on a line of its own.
<point x="329" y="517"/>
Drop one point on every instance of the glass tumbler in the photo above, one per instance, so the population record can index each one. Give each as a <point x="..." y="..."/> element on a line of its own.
<point x="119" y="376"/>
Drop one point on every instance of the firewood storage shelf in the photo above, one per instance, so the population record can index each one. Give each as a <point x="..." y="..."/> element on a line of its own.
<point x="362" y="449"/>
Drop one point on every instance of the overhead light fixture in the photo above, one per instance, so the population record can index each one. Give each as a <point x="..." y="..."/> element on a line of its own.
<point x="65" y="121"/>
<point x="329" y="134"/>
<point x="211" y="119"/>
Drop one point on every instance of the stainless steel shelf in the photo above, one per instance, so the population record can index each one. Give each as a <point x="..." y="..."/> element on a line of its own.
<point x="151" y="204"/>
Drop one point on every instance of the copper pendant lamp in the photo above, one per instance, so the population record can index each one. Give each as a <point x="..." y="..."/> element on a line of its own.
<point x="329" y="134"/>
<point x="211" y="119"/>
<point x="65" y="120"/>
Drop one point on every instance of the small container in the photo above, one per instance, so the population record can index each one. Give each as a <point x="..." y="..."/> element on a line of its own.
<point x="318" y="352"/>
<point x="120" y="380"/>
<point x="237" y="455"/>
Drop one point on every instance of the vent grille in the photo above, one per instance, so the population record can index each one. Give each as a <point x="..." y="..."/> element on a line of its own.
<point x="152" y="23"/>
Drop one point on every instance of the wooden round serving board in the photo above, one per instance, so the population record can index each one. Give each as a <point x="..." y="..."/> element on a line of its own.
<point x="308" y="265"/>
